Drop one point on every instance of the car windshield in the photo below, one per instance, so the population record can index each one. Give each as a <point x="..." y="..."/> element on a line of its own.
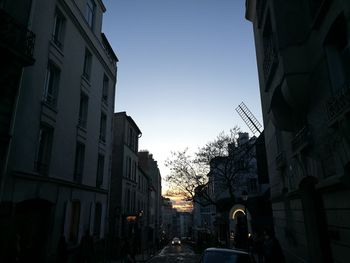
<point x="225" y="257"/>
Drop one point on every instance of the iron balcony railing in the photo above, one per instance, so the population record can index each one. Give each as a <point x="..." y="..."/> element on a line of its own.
<point x="338" y="104"/>
<point x="270" y="57"/>
<point x="280" y="160"/>
<point x="16" y="37"/>
<point x="302" y="139"/>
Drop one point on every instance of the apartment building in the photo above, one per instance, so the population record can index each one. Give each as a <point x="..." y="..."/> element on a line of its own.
<point x="302" y="50"/>
<point x="150" y="166"/>
<point x="124" y="206"/>
<point x="57" y="176"/>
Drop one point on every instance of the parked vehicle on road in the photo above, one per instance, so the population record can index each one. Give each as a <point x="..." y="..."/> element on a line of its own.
<point x="224" y="255"/>
<point x="176" y="242"/>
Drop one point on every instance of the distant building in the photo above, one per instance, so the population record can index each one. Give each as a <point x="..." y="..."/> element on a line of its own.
<point x="231" y="176"/>
<point x="150" y="167"/>
<point x="203" y="217"/>
<point x="168" y="213"/>
<point x="55" y="180"/>
<point x="302" y="50"/>
<point x="125" y="191"/>
<point x="185" y="224"/>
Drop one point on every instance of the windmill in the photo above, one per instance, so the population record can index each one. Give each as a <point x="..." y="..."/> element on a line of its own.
<point x="249" y="119"/>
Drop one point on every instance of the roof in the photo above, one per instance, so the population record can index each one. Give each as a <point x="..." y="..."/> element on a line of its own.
<point x="109" y="47"/>
<point x="132" y="122"/>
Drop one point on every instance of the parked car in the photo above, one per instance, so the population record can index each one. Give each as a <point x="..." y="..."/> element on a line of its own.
<point x="176" y="241"/>
<point x="224" y="255"/>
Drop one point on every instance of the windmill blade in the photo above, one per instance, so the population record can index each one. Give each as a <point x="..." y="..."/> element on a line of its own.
<point x="249" y="119"/>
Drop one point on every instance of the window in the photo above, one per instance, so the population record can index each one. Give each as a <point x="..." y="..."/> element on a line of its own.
<point x="44" y="149"/>
<point x="103" y="127"/>
<point x="105" y="89"/>
<point x="97" y="219"/>
<point x="51" y="84"/>
<point x="74" y="222"/>
<point x="79" y="162"/>
<point x="83" y="110"/>
<point x="134" y="166"/>
<point x="87" y="64"/>
<point x="100" y="169"/>
<point x="129" y="167"/>
<point x="270" y="55"/>
<point x="58" y="29"/>
<point x="278" y="136"/>
<point x="90" y="12"/>
<point x="338" y="55"/>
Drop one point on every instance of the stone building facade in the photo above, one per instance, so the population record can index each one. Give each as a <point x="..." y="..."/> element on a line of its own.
<point x="124" y="208"/>
<point x="302" y="50"/>
<point x="56" y="179"/>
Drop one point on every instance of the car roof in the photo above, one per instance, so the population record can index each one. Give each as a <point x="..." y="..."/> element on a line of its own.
<point x="235" y="251"/>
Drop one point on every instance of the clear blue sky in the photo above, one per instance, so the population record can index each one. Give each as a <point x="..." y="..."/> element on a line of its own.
<point x="184" y="67"/>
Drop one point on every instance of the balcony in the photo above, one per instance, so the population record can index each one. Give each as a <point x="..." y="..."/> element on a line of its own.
<point x="16" y="39"/>
<point x="338" y="105"/>
<point x="301" y="140"/>
<point x="270" y="59"/>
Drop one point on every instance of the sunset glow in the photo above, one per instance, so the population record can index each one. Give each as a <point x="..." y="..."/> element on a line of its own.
<point x="179" y="203"/>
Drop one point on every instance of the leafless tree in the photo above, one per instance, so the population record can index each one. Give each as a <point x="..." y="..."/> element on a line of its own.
<point x="221" y="162"/>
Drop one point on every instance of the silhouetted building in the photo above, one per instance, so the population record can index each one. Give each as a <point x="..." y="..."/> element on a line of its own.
<point x="150" y="167"/>
<point x="302" y="50"/>
<point x="203" y="216"/>
<point x="124" y="192"/>
<point x="56" y="179"/>
<point x="231" y="176"/>
<point x="168" y="213"/>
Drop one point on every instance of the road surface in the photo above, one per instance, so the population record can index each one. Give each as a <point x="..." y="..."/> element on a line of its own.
<point x="176" y="254"/>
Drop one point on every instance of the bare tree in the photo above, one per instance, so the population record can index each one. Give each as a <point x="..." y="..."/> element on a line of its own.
<point x="220" y="164"/>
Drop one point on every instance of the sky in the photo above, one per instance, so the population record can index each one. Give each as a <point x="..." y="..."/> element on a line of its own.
<point x="184" y="66"/>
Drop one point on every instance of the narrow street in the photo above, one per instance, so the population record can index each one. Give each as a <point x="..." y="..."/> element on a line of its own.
<point x="170" y="254"/>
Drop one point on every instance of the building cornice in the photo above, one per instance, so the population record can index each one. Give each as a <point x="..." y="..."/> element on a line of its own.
<point x="56" y="181"/>
<point x="250" y="6"/>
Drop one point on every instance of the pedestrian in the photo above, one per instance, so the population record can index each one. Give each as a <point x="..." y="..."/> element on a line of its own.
<point x="62" y="252"/>
<point x="86" y="251"/>
<point x="272" y="250"/>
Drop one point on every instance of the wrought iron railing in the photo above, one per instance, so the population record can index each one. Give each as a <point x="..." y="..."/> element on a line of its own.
<point x="280" y="160"/>
<point x="301" y="139"/>
<point x="16" y="37"/>
<point x="270" y="56"/>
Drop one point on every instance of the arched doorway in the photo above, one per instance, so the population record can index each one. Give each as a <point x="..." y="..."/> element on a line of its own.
<point x="32" y="223"/>
<point x="240" y="226"/>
